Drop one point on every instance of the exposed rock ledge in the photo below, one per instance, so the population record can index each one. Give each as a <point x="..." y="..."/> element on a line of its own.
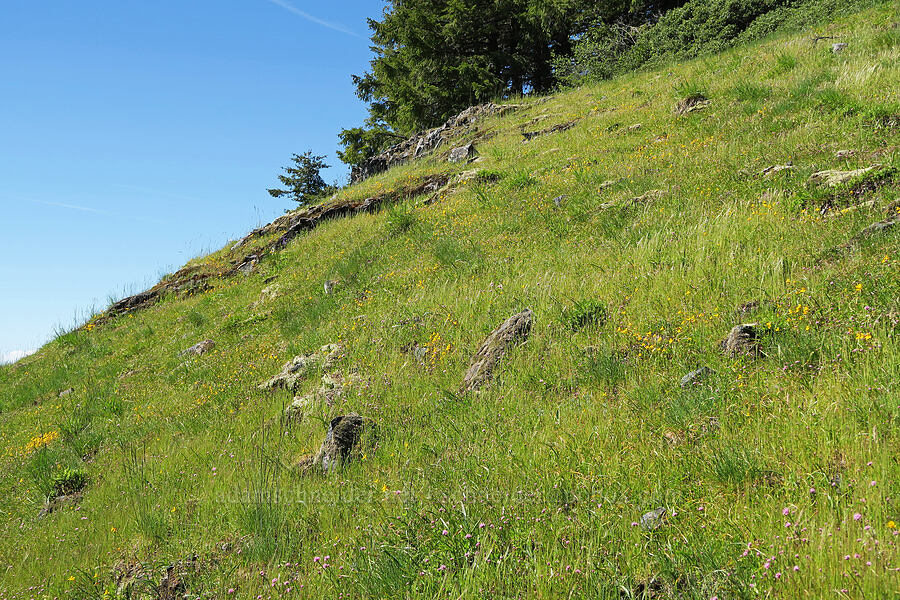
<point x="425" y="142"/>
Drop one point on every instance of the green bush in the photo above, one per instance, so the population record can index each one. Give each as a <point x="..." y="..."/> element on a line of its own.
<point x="697" y="28"/>
<point x="69" y="481"/>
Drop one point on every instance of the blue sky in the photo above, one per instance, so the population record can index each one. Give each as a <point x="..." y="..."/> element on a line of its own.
<point x="136" y="135"/>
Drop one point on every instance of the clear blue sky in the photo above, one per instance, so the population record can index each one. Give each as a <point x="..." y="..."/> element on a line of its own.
<point x="136" y="135"/>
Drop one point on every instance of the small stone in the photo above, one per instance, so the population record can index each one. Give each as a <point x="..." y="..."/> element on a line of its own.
<point x="635" y="127"/>
<point x="514" y="330"/>
<point x="875" y="229"/>
<point x="530" y="135"/>
<point x="344" y="434"/>
<point x="299" y="408"/>
<point x="695" y="377"/>
<point x="270" y="292"/>
<point x="463" y="153"/>
<point x="199" y="348"/>
<point x="646" y="197"/>
<point x="691" y="104"/>
<point x="673" y="438"/>
<point x="249" y="265"/>
<point x="66" y="392"/>
<point x="420" y="353"/>
<point x="775" y="169"/>
<point x="607" y="184"/>
<point x="652" y="520"/>
<point x="834" y="178"/>
<point x="743" y="340"/>
<point x="839" y="47"/>
<point x="57" y="502"/>
<point x="300" y="366"/>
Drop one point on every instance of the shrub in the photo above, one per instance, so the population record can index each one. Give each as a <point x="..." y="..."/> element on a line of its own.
<point x="784" y="63"/>
<point x="698" y="27"/>
<point x="69" y="481"/>
<point x="400" y="219"/>
<point x="584" y="313"/>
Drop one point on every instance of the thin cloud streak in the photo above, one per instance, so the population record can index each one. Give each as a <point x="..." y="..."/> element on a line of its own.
<point x="70" y="206"/>
<point x="300" y="13"/>
<point x="153" y="192"/>
<point x="96" y="211"/>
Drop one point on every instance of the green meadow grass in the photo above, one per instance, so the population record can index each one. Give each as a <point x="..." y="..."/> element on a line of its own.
<point x="779" y="475"/>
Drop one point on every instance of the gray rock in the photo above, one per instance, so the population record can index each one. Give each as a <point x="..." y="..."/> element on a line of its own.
<point x="425" y="142"/>
<point x="57" y="502"/>
<point x="530" y="135"/>
<point x="743" y="340"/>
<point x="608" y="184"/>
<point x="344" y="434"/>
<point x="300" y="408"/>
<point x="66" y="392"/>
<point x="199" y="348"/>
<point x="646" y="197"/>
<point x="775" y="169"/>
<point x="875" y="229"/>
<point x="300" y="366"/>
<point x="838" y="47"/>
<point x="834" y="178"/>
<point x="513" y="331"/>
<point x="420" y="353"/>
<point x="691" y="104"/>
<point x="695" y="377"/>
<point x="463" y="153"/>
<point x="270" y="292"/>
<point x="249" y="265"/>
<point x="635" y="127"/>
<point x="652" y="520"/>
<point x="329" y="391"/>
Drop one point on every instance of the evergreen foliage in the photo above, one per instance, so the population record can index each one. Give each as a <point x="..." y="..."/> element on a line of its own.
<point x="303" y="182"/>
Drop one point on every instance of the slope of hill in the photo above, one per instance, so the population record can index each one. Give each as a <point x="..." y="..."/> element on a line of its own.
<point x="644" y="220"/>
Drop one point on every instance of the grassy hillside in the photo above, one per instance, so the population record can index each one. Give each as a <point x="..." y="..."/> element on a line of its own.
<point x="639" y="237"/>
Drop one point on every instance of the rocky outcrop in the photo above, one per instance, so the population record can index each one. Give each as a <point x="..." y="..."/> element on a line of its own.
<point x="652" y="520"/>
<point x="743" y="340"/>
<point x="695" y="377"/>
<point x="874" y="229"/>
<point x="514" y="330"/>
<point x="425" y="142"/>
<point x="190" y="280"/>
<point x="834" y="178"/>
<point x="196" y="278"/>
<point x="199" y="348"/>
<point x="775" y="169"/>
<point x="305" y="219"/>
<point x="462" y="153"/>
<point x="300" y="366"/>
<point x="343" y="437"/>
<point x="692" y="103"/>
<point x="329" y="391"/>
<point x="530" y="135"/>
